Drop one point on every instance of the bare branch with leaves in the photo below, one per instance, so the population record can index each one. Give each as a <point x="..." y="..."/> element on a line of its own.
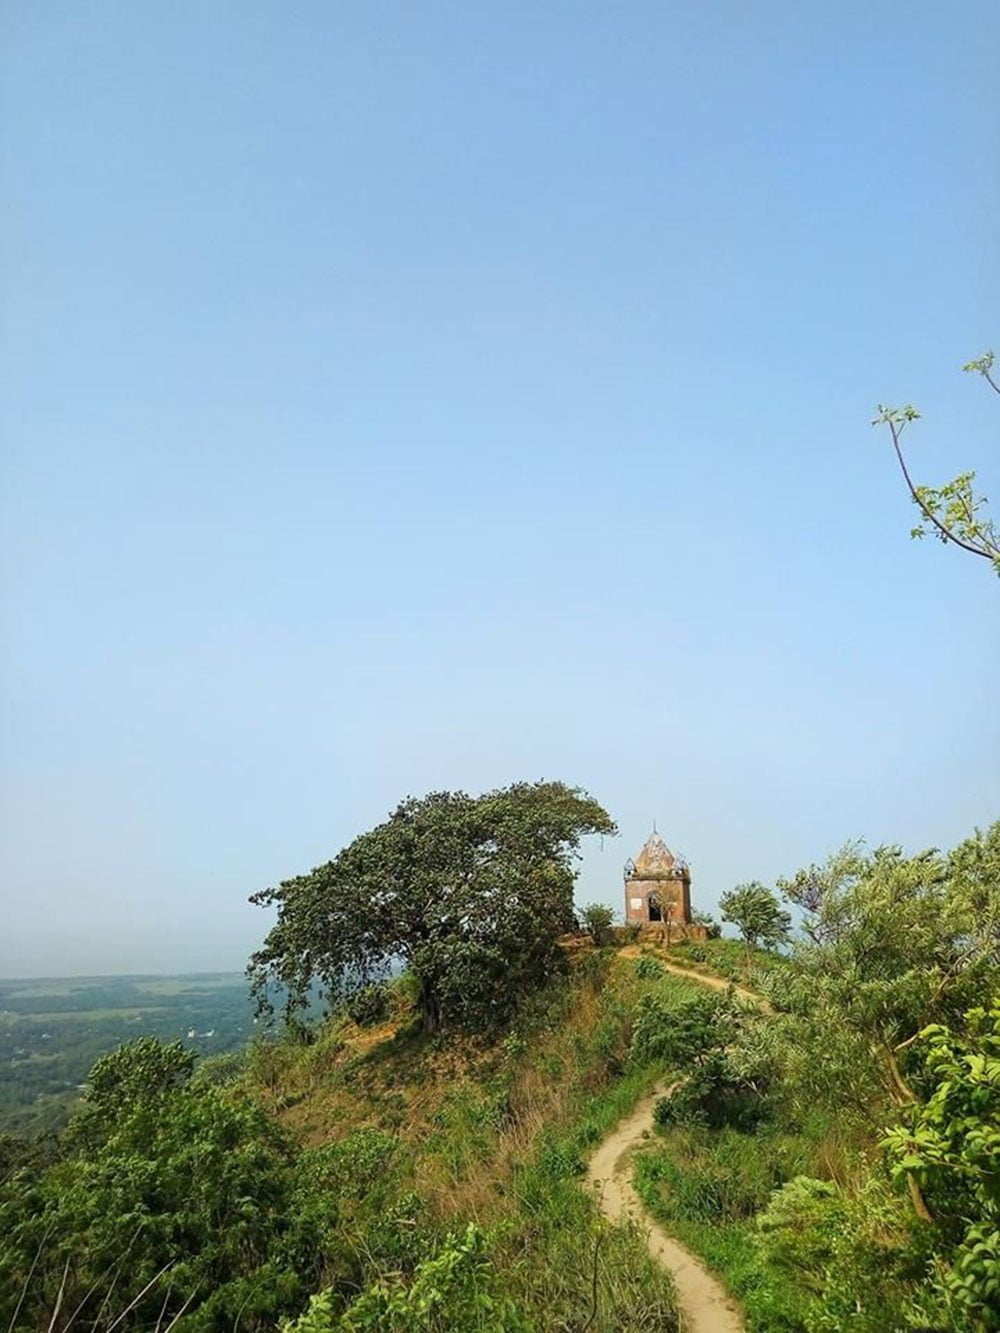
<point x="953" y="512"/>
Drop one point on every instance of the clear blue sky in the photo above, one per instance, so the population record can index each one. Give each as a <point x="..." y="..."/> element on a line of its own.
<point x="405" y="396"/>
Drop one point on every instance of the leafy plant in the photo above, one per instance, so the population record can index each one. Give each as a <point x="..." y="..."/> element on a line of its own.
<point x="951" y="1143"/>
<point x="648" y="968"/>
<point x="757" y="915"/>
<point x="952" y="512"/>
<point x="798" y="1228"/>
<point x="369" y="1005"/>
<point x="181" y="1192"/>
<point x="598" y="919"/>
<point x="682" y="1034"/>
<point x="453" y="1291"/>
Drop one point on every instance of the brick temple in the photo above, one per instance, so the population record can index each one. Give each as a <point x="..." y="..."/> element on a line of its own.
<point x="658" y="892"/>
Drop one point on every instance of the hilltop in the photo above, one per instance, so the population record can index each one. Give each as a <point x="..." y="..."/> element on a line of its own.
<point x="815" y="1122"/>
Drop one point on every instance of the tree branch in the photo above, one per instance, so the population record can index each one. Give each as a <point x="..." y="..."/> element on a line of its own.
<point x="946" y="534"/>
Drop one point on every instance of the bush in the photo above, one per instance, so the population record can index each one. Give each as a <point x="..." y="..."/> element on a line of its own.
<point x="681" y="1034"/>
<point x="798" y="1228"/>
<point x="156" y="1167"/>
<point x="712" y="926"/>
<point x="716" y="1095"/>
<point x="598" y="918"/>
<point x="369" y="1006"/>
<point x="451" y="1291"/>
<point x="648" y="969"/>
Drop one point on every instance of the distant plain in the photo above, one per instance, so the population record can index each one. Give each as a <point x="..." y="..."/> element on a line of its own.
<point x="52" y="1029"/>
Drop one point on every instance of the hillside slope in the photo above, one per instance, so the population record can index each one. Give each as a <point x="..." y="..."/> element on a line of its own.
<point x="456" y="1131"/>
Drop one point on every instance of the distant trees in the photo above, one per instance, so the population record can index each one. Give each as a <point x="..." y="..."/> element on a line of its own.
<point x="471" y="893"/>
<point x="953" y="512"/>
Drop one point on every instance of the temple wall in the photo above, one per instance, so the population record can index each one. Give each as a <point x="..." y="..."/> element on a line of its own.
<point x="676" y="891"/>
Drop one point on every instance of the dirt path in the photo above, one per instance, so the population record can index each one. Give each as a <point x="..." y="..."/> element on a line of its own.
<point x="703" y="978"/>
<point x="703" y="1302"/>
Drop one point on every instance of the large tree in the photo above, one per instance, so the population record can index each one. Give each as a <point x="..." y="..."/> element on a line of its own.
<point x="471" y="893"/>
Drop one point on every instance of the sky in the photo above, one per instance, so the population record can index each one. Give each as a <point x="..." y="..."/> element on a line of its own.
<point x="404" y="397"/>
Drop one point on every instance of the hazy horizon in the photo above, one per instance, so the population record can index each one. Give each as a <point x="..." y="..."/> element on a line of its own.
<point x="403" y="399"/>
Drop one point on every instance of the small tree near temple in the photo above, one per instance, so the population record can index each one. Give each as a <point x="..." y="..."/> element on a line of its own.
<point x="756" y="913"/>
<point x="598" y="920"/>
<point x="471" y="893"/>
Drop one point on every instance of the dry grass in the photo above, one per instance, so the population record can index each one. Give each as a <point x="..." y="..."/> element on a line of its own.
<point x="468" y="1112"/>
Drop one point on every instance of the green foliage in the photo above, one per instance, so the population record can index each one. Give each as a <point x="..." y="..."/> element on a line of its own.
<point x="894" y="943"/>
<point x="875" y="1274"/>
<point x="952" y="512"/>
<point x="139" y="1073"/>
<point x="598" y="919"/>
<point x="950" y="1142"/>
<point x="181" y="1190"/>
<point x="716" y="1094"/>
<point x="369" y="1005"/>
<point x="451" y="1292"/>
<point x="685" y="1033"/>
<point x="472" y="893"/>
<point x="799" y="1227"/>
<point x="757" y="915"/>
<point x="648" y="968"/>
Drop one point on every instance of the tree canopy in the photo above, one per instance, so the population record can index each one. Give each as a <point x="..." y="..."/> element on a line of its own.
<point x="470" y="893"/>
<point x="756" y="913"/>
<point x="895" y="942"/>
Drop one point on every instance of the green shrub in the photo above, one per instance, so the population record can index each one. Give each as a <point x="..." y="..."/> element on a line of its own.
<point x="798" y="1228"/>
<point x="647" y="968"/>
<point x="369" y="1006"/>
<point x="598" y="918"/>
<point x="453" y="1291"/>
<point x="680" y="1034"/>
<point x="716" y="1095"/>
<point x="155" y="1168"/>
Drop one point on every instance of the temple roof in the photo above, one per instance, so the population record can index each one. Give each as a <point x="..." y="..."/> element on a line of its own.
<point x="656" y="858"/>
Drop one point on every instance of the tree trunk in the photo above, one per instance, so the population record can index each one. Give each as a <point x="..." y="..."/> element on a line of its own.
<point x="905" y="1094"/>
<point x="429" y="1005"/>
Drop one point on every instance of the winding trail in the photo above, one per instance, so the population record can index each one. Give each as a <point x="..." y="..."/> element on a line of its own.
<point x="702" y="1301"/>
<point x="709" y="979"/>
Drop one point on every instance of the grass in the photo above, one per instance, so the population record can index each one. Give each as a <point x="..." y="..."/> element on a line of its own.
<point x="498" y="1134"/>
<point x="730" y="959"/>
<point x="706" y="1186"/>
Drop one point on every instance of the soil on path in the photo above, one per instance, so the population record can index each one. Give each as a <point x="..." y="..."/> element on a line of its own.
<point x="703" y="978"/>
<point x="703" y="1303"/>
